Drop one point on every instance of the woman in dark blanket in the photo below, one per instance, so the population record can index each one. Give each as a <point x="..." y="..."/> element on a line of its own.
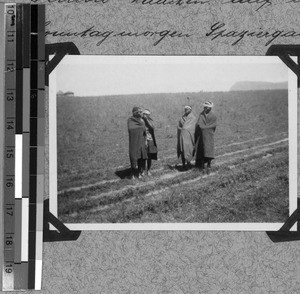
<point x="205" y="133"/>
<point x="137" y="142"/>
<point x="150" y="140"/>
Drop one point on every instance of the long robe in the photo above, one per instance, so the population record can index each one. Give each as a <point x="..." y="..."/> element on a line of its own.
<point x="137" y="140"/>
<point x="186" y="136"/>
<point x="204" y="136"/>
<point x="152" y="148"/>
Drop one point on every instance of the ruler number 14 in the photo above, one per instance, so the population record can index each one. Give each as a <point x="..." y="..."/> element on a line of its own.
<point x="10" y="125"/>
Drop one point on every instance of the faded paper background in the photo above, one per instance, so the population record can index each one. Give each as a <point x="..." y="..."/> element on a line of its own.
<point x="160" y="261"/>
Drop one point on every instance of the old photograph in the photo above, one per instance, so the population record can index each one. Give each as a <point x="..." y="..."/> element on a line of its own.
<point x="193" y="140"/>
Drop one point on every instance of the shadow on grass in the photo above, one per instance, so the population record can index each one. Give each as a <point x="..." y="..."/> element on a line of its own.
<point x="124" y="173"/>
<point x="179" y="168"/>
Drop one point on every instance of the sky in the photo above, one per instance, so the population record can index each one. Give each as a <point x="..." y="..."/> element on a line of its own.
<point x="116" y="75"/>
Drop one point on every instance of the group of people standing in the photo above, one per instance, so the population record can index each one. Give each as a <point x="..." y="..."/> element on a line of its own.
<point x="195" y="139"/>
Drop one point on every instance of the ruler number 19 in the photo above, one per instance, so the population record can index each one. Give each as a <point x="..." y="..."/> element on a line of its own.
<point x="8" y="268"/>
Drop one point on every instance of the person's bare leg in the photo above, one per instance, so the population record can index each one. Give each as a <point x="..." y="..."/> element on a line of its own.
<point x="208" y="167"/>
<point x="149" y="164"/>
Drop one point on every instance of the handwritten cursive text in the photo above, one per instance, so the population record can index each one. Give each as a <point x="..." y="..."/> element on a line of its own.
<point x="217" y="30"/>
<point x="74" y="1"/>
<point x="104" y="35"/>
<point x="262" y="3"/>
<point x="169" y="2"/>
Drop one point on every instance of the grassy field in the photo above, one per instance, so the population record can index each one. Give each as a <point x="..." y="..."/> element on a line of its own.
<point x="249" y="182"/>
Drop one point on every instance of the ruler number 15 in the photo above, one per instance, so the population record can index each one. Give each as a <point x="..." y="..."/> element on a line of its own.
<point x="10" y="153"/>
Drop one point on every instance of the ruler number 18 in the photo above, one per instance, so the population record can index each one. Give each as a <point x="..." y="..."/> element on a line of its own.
<point x="9" y="241"/>
<point x="10" y="97"/>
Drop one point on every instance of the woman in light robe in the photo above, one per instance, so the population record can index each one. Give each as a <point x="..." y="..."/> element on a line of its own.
<point x="186" y="136"/>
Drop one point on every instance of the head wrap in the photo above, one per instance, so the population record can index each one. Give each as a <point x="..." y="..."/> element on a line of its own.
<point x="146" y="111"/>
<point x="208" y="104"/>
<point x="188" y="107"/>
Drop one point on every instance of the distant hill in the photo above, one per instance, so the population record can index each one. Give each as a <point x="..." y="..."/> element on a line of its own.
<point x="250" y="86"/>
<point x="68" y="93"/>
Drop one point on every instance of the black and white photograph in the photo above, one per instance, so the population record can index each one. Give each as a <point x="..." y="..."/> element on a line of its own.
<point x="173" y="142"/>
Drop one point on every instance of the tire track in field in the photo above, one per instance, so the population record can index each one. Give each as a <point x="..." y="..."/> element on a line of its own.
<point x="174" y="150"/>
<point x="241" y="143"/>
<point x="167" y="176"/>
<point x="155" y="195"/>
<point x="187" y="182"/>
<point x="226" y="146"/>
<point x="103" y="182"/>
<point x="253" y="148"/>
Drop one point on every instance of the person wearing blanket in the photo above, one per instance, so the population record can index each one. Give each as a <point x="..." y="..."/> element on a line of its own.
<point x="204" y="136"/>
<point x="137" y="142"/>
<point x="150" y="139"/>
<point x="186" y="136"/>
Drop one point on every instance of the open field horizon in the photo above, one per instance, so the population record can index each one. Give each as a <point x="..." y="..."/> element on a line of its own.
<point x="93" y="159"/>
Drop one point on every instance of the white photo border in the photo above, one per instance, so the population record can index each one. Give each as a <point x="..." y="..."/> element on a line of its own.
<point x="117" y="59"/>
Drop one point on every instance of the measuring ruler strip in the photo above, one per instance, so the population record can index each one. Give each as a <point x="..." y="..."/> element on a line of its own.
<point x="26" y="138"/>
<point x="23" y="173"/>
<point x="33" y="151"/>
<point x="9" y="152"/>
<point x="21" y="161"/>
<point x="37" y="131"/>
<point x="2" y="131"/>
<point x="41" y="145"/>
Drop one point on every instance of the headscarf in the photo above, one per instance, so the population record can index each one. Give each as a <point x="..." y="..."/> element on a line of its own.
<point x="146" y="111"/>
<point x="188" y="107"/>
<point x="208" y="104"/>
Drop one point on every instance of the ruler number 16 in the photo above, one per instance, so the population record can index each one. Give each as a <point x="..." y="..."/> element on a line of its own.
<point x="9" y="183"/>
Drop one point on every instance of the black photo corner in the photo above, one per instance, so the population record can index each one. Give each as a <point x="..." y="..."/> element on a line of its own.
<point x="284" y="52"/>
<point x="62" y="233"/>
